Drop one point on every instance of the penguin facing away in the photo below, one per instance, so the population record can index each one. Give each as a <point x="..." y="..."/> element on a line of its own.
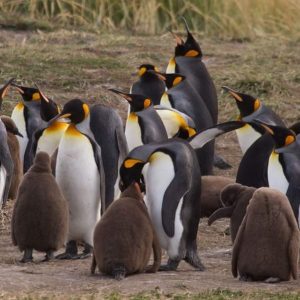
<point x="124" y="237"/>
<point x="172" y="196"/>
<point x="267" y="244"/>
<point x="235" y="199"/>
<point x="188" y="62"/>
<point x="14" y="149"/>
<point x="80" y="175"/>
<point x="150" y="83"/>
<point x="40" y="215"/>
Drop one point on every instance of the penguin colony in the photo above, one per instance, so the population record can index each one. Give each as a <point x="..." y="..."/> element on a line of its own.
<point x="125" y="192"/>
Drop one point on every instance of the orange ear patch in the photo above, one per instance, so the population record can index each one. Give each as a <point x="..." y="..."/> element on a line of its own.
<point x="177" y="80"/>
<point x="256" y="104"/>
<point x="129" y="163"/>
<point x="147" y="103"/>
<point x="86" y="110"/>
<point x="36" y="96"/>
<point x="289" y="140"/>
<point x="192" y="53"/>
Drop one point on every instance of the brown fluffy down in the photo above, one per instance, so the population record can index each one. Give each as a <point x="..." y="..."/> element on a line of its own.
<point x="211" y="187"/>
<point x="124" y="237"/>
<point x="267" y="243"/>
<point x="14" y="149"/>
<point x="40" y="216"/>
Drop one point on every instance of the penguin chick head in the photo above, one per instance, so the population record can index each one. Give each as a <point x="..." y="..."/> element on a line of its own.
<point x="137" y="102"/>
<point x="41" y="163"/>
<point x="142" y="69"/>
<point x="75" y="110"/>
<point x="10" y="126"/>
<point x="189" y="48"/>
<point x="284" y="138"/>
<point x="131" y="172"/>
<point x="246" y="104"/>
<point x="28" y="93"/>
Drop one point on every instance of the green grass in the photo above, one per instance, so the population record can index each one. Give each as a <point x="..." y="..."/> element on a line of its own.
<point x="233" y="19"/>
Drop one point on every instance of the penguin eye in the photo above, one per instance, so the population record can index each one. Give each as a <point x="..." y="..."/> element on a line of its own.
<point x="36" y="96"/>
<point x="289" y="139"/>
<point x="192" y="53"/>
<point x="177" y="80"/>
<point x="142" y="71"/>
<point x="256" y="104"/>
<point x="147" y="103"/>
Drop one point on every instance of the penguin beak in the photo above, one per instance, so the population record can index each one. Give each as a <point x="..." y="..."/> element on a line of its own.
<point x="19" y="134"/>
<point x="59" y="117"/>
<point x="179" y="41"/>
<point x="161" y="76"/>
<point x="233" y="93"/>
<point x="4" y="89"/>
<point x="18" y="87"/>
<point x="124" y="95"/>
<point x="43" y="97"/>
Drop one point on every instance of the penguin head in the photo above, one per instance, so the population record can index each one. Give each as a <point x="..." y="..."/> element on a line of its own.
<point x="173" y="80"/>
<point x="284" y="138"/>
<point x="130" y="172"/>
<point x="75" y="110"/>
<point x="41" y="163"/>
<point x="10" y="125"/>
<point x="137" y="102"/>
<point x="190" y="47"/>
<point x="49" y="109"/>
<point x="28" y="93"/>
<point x="144" y="68"/>
<point x="247" y="104"/>
<point x="4" y="90"/>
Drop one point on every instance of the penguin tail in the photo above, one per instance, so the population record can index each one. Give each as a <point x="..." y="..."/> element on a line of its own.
<point x="119" y="272"/>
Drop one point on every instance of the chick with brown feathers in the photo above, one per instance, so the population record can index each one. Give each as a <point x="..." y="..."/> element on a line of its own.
<point x="124" y="236"/>
<point x="40" y="215"/>
<point x="266" y="247"/>
<point x="14" y="149"/>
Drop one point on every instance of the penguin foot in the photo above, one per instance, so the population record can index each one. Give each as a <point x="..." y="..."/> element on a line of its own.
<point x="84" y="255"/>
<point x="194" y="260"/>
<point x="272" y="280"/>
<point x="245" y="278"/>
<point x="87" y="252"/>
<point x="27" y="257"/>
<point x="119" y="272"/>
<point x="49" y="256"/>
<point x="220" y="163"/>
<point x="71" y="251"/>
<point x="170" y="266"/>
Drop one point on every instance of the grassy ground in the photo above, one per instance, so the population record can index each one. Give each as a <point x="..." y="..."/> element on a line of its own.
<point x="69" y="64"/>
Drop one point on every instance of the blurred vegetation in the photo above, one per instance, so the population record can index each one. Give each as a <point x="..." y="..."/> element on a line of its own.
<point x="230" y="19"/>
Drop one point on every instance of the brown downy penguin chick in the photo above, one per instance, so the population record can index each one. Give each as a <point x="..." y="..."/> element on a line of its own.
<point x="40" y="216"/>
<point x="14" y="149"/>
<point x="210" y="193"/>
<point x="124" y="236"/>
<point x="267" y="244"/>
<point x="235" y="199"/>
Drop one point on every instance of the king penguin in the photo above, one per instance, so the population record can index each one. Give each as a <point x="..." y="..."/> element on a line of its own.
<point x="150" y="83"/>
<point x="146" y="124"/>
<point x="188" y="62"/>
<point x="26" y="115"/>
<point x="6" y="162"/>
<point x="252" y="109"/>
<point x="80" y="176"/>
<point x="172" y="196"/>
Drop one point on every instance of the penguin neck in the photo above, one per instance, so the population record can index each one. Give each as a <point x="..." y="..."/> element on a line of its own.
<point x="165" y="100"/>
<point x="84" y="127"/>
<point x="57" y="126"/>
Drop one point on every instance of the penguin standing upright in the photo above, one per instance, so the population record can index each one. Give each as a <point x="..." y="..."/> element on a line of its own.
<point x="173" y="192"/>
<point x="80" y="175"/>
<point x="6" y="162"/>
<point x="26" y="116"/>
<point x="14" y="149"/>
<point x="183" y="97"/>
<point x="146" y="124"/>
<point x="150" y="83"/>
<point x="188" y="62"/>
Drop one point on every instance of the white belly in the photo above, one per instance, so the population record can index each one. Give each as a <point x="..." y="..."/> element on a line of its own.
<point x="133" y="133"/>
<point x="276" y="176"/>
<point x="2" y="183"/>
<point x="171" y="121"/>
<point x="246" y="137"/>
<point x="49" y="140"/>
<point x="78" y="177"/>
<point x="18" y="117"/>
<point x="159" y="175"/>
